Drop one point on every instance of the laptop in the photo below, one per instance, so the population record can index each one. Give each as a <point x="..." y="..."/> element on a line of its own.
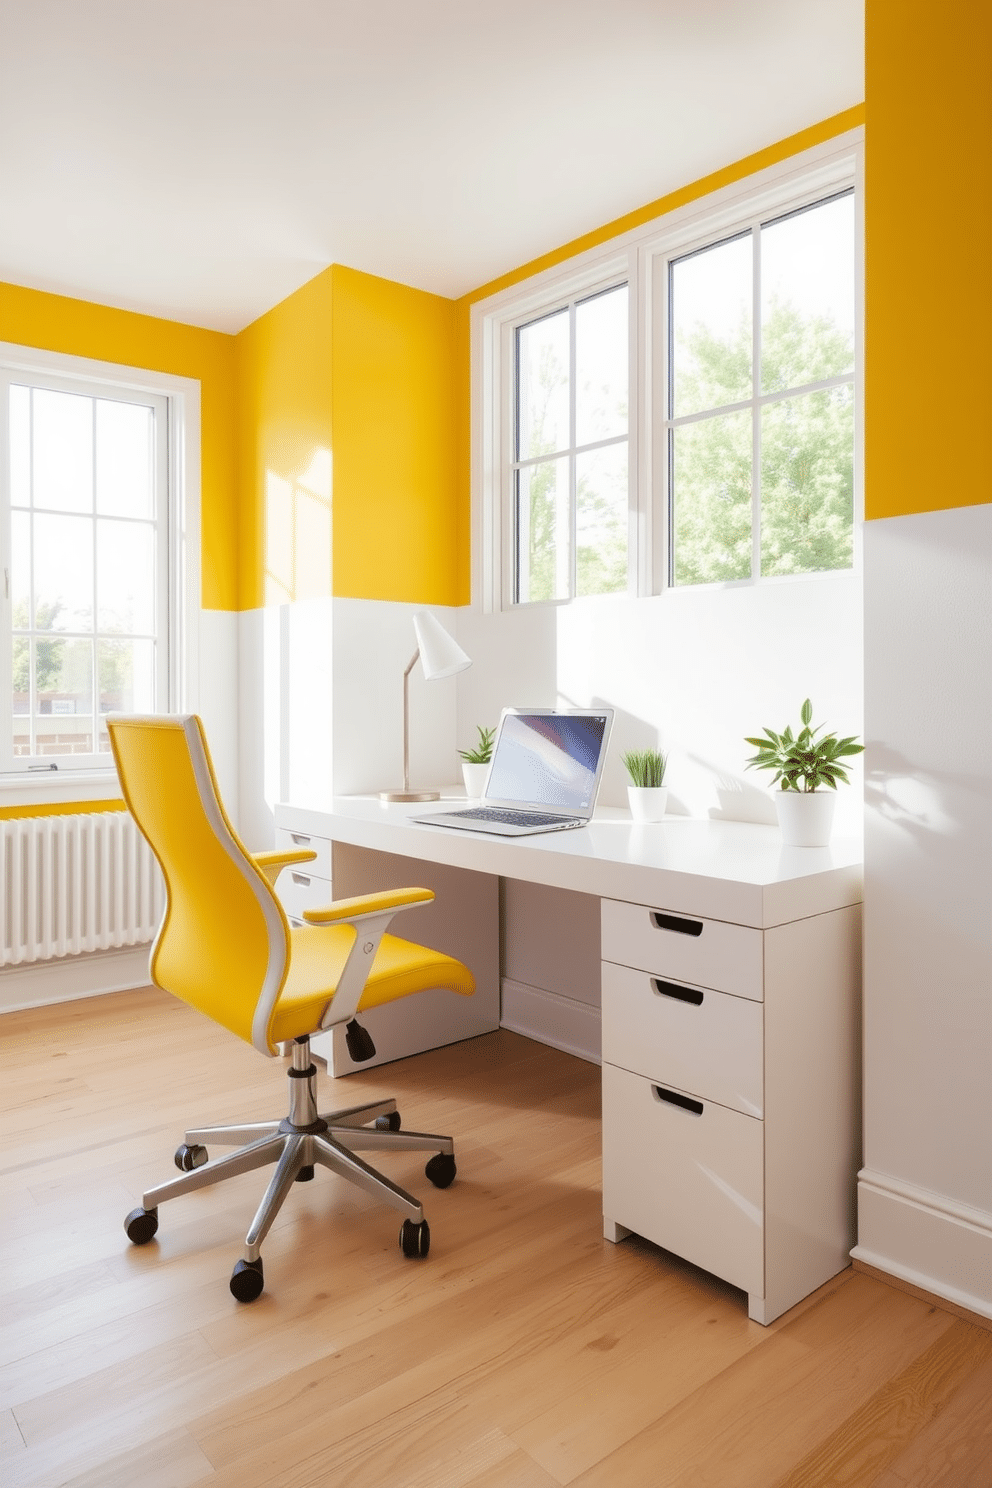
<point x="544" y="774"/>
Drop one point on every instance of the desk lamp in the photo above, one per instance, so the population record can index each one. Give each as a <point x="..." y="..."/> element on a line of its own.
<point x="440" y="656"/>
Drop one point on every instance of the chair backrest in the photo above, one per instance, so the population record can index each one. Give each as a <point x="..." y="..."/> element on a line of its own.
<point x="223" y="945"/>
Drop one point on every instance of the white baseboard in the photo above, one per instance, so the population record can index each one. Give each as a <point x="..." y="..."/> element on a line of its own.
<point x="69" y="978"/>
<point x="573" y="1027"/>
<point x="925" y="1239"/>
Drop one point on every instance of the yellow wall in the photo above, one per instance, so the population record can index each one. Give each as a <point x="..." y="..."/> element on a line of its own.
<point x="346" y="397"/>
<point x="29" y="317"/>
<point x="928" y="240"/>
<point x="396" y="532"/>
<point x="284" y="449"/>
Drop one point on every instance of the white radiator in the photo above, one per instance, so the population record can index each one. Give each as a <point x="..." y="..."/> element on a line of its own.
<point x="75" y="883"/>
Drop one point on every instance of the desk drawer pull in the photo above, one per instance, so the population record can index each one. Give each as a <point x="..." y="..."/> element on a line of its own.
<point x="301" y="878"/>
<point x="300" y="838"/>
<point x="673" y="1098"/>
<point x="681" y="994"/>
<point x="672" y="922"/>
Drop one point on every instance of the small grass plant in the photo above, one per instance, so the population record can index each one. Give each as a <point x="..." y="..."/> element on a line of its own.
<point x="803" y="762"/>
<point x="646" y="767"/>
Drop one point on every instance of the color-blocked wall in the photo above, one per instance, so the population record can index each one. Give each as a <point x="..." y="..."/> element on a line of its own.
<point x="925" y="1192"/>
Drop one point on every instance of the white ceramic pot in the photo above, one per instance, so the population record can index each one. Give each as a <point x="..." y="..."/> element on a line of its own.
<point x="474" y="777"/>
<point x="647" y="802"/>
<point x="805" y="818"/>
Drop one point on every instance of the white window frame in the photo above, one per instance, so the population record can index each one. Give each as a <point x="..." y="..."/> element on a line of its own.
<point x="640" y="257"/>
<point x="571" y="452"/>
<point x="72" y="779"/>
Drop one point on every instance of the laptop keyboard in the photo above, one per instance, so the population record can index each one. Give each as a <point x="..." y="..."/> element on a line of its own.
<point x="514" y="818"/>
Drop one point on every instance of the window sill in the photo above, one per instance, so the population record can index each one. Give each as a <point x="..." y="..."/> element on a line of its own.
<point x="57" y="787"/>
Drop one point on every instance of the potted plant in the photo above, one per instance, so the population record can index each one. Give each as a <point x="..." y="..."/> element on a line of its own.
<point x="803" y="764"/>
<point x="475" y="762"/>
<point x="647" y="792"/>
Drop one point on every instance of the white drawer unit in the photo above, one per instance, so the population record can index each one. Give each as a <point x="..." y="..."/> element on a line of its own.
<point x="688" y="948"/>
<point x="731" y="1094"/>
<point x="697" y="1173"/>
<point x="688" y="1037"/>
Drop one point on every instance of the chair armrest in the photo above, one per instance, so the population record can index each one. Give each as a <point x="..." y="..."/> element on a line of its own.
<point x="364" y="905"/>
<point x="373" y="913"/>
<point x="272" y="863"/>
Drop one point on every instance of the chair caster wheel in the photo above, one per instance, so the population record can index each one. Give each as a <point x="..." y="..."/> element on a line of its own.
<point x="305" y="1175"/>
<point x="188" y="1158"/>
<point x="441" y="1170"/>
<point x="392" y="1122"/>
<point x="247" y="1281"/>
<point x="415" y="1239"/>
<point x="140" y="1225"/>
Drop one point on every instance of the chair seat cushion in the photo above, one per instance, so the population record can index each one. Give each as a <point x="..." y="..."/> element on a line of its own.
<point x="317" y="958"/>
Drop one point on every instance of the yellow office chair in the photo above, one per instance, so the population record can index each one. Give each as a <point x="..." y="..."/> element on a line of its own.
<point x="226" y="947"/>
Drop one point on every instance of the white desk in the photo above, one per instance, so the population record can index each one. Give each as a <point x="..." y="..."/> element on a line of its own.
<point x="731" y="1039"/>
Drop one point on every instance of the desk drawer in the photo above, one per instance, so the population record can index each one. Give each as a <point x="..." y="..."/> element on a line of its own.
<point x="702" y="1041"/>
<point x="306" y="842"/>
<point x="707" y="953"/>
<point x="691" y="1180"/>
<point x="299" y="890"/>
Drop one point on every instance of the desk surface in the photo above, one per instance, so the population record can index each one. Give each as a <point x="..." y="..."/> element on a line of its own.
<point x="722" y="870"/>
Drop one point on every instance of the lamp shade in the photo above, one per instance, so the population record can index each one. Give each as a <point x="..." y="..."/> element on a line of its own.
<point x="440" y="656"/>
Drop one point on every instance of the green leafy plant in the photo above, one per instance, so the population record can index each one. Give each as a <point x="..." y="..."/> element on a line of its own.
<point x="802" y="762"/>
<point x="483" y="751"/>
<point x="646" y="767"/>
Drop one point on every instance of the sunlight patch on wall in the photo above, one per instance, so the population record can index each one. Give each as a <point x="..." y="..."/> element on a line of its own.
<point x="298" y="532"/>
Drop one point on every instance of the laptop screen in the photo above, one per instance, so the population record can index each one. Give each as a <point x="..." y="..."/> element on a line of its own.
<point x="549" y="759"/>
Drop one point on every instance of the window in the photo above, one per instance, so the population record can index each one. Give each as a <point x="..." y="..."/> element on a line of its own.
<point x="761" y="400"/>
<point x="679" y="407"/>
<point x="90" y="599"/>
<point x="570" y="488"/>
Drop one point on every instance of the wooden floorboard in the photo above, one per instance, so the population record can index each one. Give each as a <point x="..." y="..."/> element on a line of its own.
<point x="525" y="1352"/>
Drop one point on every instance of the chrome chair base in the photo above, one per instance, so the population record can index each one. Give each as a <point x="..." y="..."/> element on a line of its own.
<point x="304" y="1139"/>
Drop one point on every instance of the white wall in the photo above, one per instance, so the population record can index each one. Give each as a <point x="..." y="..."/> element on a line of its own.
<point x="285" y="711"/>
<point x="925" y="1195"/>
<point x="321" y="707"/>
<point x="373" y="643"/>
<point x="217" y="697"/>
<point x="693" y="670"/>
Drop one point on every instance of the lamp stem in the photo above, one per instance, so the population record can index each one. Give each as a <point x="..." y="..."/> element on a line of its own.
<point x="406" y="794"/>
<point x="406" y="719"/>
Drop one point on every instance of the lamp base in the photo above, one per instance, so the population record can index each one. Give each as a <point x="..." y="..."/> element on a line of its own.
<point x="406" y="795"/>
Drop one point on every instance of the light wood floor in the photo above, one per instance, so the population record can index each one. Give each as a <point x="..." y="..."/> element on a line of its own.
<point x="526" y="1352"/>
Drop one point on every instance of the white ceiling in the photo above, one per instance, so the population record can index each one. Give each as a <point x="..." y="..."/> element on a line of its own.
<point x="202" y="160"/>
